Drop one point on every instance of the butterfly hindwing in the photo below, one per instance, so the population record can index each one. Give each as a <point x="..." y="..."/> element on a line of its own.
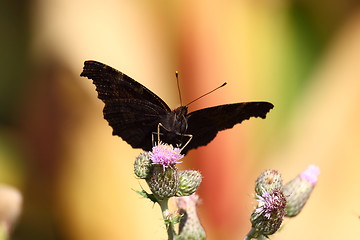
<point x="134" y="121"/>
<point x="204" y="124"/>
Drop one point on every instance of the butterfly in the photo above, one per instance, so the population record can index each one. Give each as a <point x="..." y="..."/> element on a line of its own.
<point x="139" y="116"/>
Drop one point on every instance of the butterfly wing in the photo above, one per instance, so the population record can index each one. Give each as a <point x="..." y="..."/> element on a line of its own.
<point x="132" y="110"/>
<point x="112" y="84"/>
<point x="133" y="120"/>
<point x="204" y="124"/>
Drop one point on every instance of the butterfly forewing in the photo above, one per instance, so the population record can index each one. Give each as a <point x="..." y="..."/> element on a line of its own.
<point x="204" y="124"/>
<point x="132" y="110"/>
<point x="112" y="84"/>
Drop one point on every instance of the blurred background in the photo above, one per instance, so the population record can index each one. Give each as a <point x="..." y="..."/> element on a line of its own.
<point x="77" y="179"/>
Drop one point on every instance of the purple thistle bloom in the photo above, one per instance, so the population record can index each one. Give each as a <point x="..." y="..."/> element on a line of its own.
<point x="165" y="155"/>
<point x="271" y="203"/>
<point x="311" y="174"/>
<point x="269" y="214"/>
<point x="298" y="190"/>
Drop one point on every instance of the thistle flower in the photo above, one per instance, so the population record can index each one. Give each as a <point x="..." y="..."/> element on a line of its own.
<point x="268" y="215"/>
<point x="298" y="190"/>
<point x="268" y="181"/>
<point x="142" y="165"/>
<point x="189" y="181"/>
<point x="165" y="155"/>
<point x="190" y="227"/>
<point x="163" y="179"/>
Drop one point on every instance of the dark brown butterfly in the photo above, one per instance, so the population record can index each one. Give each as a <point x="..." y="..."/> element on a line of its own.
<point x="137" y="115"/>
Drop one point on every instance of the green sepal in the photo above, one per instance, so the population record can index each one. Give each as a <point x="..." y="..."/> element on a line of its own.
<point x="144" y="194"/>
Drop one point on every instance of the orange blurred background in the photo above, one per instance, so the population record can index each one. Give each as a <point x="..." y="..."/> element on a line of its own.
<point x="77" y="179"/>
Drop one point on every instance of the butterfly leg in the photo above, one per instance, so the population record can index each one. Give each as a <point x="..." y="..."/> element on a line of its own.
<point x="158" y="135"/>
<point x="190" y="137"/>
<point x="158" y="131"/>
<point x="152" y="138"/>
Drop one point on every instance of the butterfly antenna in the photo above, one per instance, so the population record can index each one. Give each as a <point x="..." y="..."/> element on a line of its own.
<point x="178" y="85"/>
<point x="222" y="85"/>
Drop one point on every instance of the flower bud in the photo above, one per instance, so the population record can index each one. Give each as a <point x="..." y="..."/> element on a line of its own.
<point x="142" y="165"/>
<point x="10" y="207"/>
<point x="189" y="182"/>
<point x="268" y="215"/>
<point x="268" y="181"/>
<point x="190" y="227"/>
<point x="163" y="182"/>
<point x="298" y="190"/>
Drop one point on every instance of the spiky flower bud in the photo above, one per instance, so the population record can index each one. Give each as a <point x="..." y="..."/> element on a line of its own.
<point x="268" y="181"/>
<point x="268" y="215"/>
<point x="142" y="165"/>
<point x="298" y="190"/>
<point x="163" y="182"/>
<point x="190" y="227"/>
<point x="189" y="182"/>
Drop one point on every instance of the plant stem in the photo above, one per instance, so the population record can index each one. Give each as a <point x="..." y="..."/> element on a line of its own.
<point x="249" y="235"/>
<point x="254" y="234"/>
<point x="168" y="223"/>
<point x="3" y="232"/>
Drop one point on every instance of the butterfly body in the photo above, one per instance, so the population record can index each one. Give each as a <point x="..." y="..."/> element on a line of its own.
<point x="172" y="127"/>
<point x="176" y="120"/>
<point x="137" y="115"/>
